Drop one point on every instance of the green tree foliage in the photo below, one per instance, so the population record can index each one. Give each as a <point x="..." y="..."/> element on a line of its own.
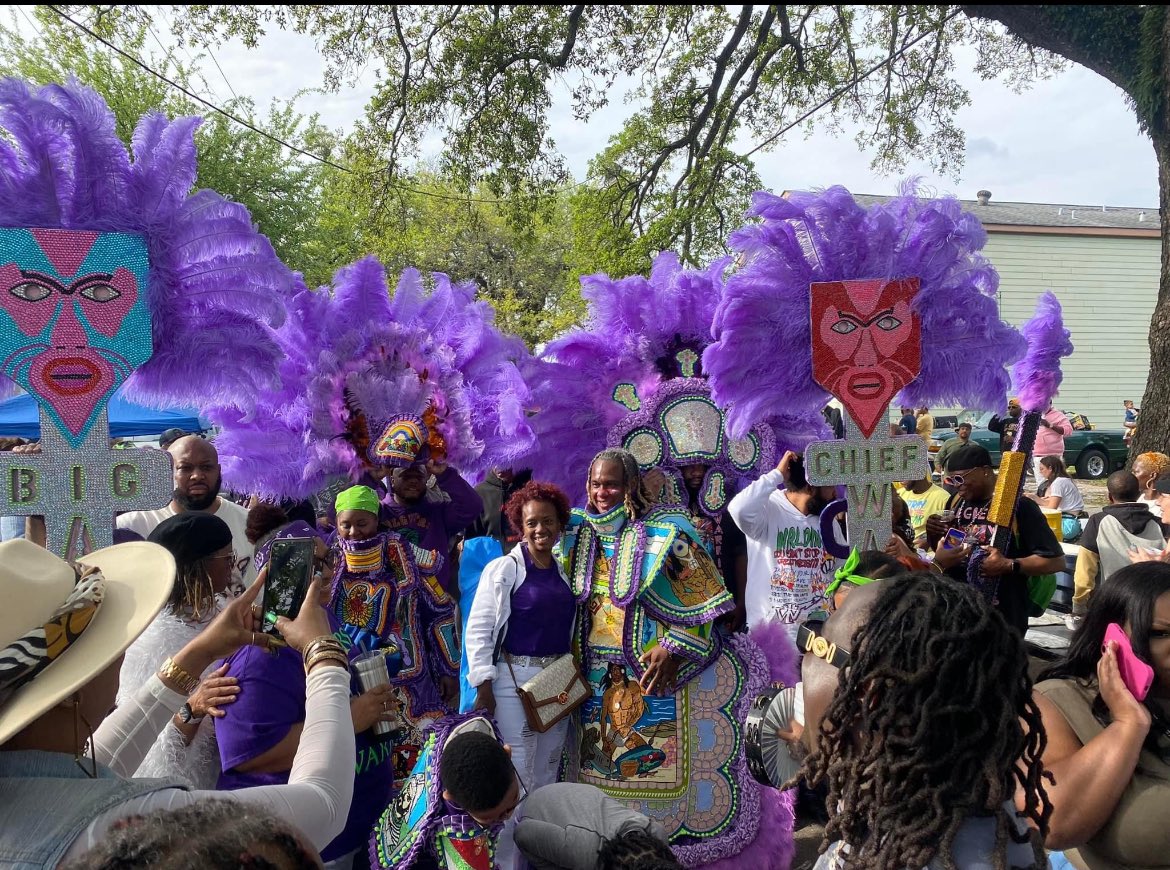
<point x="280" y="190"/>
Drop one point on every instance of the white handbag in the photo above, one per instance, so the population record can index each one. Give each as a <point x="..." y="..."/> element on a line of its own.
<point x="553" y="694"/>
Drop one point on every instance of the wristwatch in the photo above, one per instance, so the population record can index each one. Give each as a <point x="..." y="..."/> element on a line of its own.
<point x="187" y="715"/>
<point x="1015" y="566"/>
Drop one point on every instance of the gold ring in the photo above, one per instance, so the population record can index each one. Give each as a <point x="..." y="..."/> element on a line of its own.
<point x="253" y="638"/>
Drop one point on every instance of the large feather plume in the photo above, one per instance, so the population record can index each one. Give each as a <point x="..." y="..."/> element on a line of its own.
<point x="217" y="287"/>
<point x="631" y="324"/>
<point x="352" y="349"/>
<point x="1036" y="378"/>
<point x="760" y="364"/>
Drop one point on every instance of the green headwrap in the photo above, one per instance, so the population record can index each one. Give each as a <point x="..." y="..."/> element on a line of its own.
<point x="845" y="573"/>
<point x="358" y="498"/>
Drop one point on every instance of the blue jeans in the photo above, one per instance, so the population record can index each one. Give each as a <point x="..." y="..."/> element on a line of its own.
<point x="11" y="527"/>
<point x="1057" y="861"/>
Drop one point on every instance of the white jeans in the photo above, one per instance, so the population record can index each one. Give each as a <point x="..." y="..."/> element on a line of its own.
<point x="535" y="755"/>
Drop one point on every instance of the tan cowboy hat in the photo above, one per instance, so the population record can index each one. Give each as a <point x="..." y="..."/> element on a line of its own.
<point x="34" y="582"/>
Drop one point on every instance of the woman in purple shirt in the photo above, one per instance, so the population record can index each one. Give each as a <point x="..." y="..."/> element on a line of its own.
<point x="524" y="598"/>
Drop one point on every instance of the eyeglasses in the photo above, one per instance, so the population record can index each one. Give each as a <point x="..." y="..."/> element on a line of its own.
<point x="810" y="640"/>
<point x="521" y="796"/>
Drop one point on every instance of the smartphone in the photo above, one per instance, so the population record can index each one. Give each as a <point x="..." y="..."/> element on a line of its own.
<point x="290" y="570"/>
<point x="1136" y="674"/>
<point x="953" y="538"/>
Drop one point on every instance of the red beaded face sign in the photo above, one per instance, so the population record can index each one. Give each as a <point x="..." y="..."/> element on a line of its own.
<point x="866" y="344"/>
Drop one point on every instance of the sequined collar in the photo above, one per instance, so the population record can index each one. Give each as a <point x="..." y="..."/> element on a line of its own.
<point x="610" y="523"/>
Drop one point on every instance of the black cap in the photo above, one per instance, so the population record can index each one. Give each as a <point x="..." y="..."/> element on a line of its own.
<point x="1162" y="485"/>
<point x="170" y="436"/>
<point x="967" y="457"/>
<point x="191" y="535"/>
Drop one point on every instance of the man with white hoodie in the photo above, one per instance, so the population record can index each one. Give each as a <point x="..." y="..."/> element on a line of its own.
<point x="788" y="567"/>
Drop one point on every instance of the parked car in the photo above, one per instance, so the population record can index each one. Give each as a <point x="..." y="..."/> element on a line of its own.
<point x="1094" y="453"/>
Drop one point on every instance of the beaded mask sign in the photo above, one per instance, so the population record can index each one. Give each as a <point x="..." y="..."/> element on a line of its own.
<point x="866" y="345"/>
<point x="74" y="324"/>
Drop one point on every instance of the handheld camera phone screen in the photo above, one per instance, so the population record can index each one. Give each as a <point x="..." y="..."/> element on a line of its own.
<point x="290" y="570"/>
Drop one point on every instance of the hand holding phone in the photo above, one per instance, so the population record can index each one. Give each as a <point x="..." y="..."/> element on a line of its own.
<point x="1136" y="674"/>
<point x="290" y="571"/>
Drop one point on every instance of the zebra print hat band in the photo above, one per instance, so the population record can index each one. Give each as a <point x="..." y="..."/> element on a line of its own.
<point x="27" y="656"/>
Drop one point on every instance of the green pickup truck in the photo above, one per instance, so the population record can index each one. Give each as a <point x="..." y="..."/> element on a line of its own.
<point x="1093" y="453"/>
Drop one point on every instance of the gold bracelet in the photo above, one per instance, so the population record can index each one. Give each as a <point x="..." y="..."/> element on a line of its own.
<point x="171" y="671"/>
<point x="934" y="566"/>
<point x="320" y="644"/>
<point x="339" y="660"/>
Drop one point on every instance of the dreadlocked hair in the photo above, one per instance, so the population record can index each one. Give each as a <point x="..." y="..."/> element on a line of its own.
<point x="636" y="850"/>
<point x="638" y="500"/>
<point x="932" y="722"/>
<point x="211" y="833"/>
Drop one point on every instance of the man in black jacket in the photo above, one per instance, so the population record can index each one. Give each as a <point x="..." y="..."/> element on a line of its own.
<point x="495" y="491"/>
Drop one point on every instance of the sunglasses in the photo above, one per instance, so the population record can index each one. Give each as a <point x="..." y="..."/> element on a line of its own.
<point x="958" y="478"/>
<point x="810" y="640"/>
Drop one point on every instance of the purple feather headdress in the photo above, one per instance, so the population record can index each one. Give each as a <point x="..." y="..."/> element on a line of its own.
<point x="643" y="338"/>
<point x="761" y="362"/>
<point x="216" y="285"/>
<point x="357" y="359"/>
<point x="1036" y="378"/>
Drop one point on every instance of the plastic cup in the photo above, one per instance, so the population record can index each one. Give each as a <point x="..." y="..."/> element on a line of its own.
<point x="948" y="517"/>
<point x="372" y="672"/>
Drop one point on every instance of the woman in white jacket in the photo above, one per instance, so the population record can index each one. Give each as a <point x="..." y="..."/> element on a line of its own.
<point x="525" y="609"/>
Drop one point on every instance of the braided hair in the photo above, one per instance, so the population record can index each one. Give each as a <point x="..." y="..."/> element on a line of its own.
<point x="932" y="722"/>
<point x="636" y="850"/>
<point x="210" y="833"/>
<point x="638" y="500"/>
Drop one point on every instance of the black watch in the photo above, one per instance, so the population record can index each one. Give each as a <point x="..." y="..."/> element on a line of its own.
<point x="187" y="715"/>
<point x="1015" y="566"/>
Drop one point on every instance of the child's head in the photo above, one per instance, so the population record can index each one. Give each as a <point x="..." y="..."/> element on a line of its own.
<point x="477" y="776"/>
<point x="357" y="513"/>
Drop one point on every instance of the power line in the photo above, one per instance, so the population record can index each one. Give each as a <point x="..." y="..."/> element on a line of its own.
<point x="247" y="124"/>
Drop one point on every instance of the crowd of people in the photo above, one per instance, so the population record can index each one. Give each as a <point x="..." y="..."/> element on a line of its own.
<point x="207" y="706"/>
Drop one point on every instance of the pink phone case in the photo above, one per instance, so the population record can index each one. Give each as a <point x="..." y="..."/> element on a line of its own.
<point x="1136" y="674"/>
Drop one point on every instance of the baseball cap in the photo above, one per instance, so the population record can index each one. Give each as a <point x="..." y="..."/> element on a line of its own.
<point x="1162" y="485"/>
<point x="169" y="437"/>
<point x="968" y="457"/>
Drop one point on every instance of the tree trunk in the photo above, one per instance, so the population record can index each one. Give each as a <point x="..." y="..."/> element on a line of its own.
<point x="1153" y="431"/>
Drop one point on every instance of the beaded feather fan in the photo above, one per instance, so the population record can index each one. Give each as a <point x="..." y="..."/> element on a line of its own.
<point x="374" y="381"/>
<point x="633" y="376"/>
<point x="760" y="363"/>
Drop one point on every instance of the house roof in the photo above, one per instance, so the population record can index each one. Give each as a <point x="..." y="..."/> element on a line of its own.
<point x="1037" y="214"/>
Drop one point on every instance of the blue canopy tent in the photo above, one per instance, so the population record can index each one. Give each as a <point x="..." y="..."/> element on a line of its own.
<point x="19" y="417"/>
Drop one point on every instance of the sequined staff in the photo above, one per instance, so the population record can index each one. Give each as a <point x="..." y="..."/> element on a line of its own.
<point x="112" y="275"/>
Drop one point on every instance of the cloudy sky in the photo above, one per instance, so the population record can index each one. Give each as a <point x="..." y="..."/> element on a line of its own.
<point x="1069" y="140"/>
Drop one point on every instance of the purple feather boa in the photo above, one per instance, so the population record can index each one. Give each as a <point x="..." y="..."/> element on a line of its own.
<point x="1036" y="378"/>
<point x="760" y="365"/>
<point x="217" y="288"/>
<point x="353" y="347"/>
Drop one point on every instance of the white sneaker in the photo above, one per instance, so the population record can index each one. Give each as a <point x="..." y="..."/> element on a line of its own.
<point x="1072" y="622"/>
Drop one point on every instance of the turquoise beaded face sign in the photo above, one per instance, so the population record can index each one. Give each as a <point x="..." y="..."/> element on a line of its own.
<point x="74" y="325"/>
<point x="74" y="322"/>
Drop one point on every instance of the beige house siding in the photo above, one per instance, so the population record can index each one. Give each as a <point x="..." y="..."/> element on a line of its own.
<point x="1107" y="287"/>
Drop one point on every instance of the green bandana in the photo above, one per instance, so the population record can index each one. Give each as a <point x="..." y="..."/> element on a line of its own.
<point x="845" y="574"/>
<point x="358" y="498"/>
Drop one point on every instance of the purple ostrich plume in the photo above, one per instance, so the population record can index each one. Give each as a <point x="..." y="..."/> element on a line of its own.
<point x="1036" y="377"/>
<point x="217" y="288"/>
<point x="760" y="364"/>
<point x="355" y="357"/>
<point x="634" y="329"/>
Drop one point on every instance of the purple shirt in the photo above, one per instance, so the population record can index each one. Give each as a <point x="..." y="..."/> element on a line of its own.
<point x="543" y="608"/>
<point x="431" y="525"/>
<point x="271" y="701"/>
